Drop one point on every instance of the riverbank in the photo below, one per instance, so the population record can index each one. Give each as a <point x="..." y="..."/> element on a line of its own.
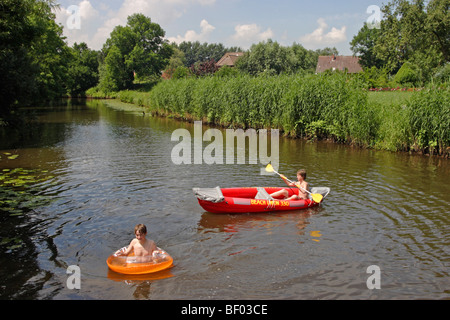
<point x="313" y="107"/>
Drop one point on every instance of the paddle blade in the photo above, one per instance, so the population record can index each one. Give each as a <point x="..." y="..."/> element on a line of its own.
<point x="317" y="197"/>
<point x="269" y="168"/>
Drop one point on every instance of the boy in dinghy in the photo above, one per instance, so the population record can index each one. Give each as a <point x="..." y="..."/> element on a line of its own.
<point x="301" y="177"/>
<point x="143" y="248"/>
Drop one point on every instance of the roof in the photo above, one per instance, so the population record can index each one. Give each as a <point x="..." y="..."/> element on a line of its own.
<point x="339" y="63"/>
<point x="229" y="59"/>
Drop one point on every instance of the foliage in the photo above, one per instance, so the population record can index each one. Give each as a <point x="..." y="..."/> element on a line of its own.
<point x="176" y="60"/>
<point x="324" y="106"/>
<point x="407" y="75"/>
<point x="271" y="58"/>
<point x="429" y="119"/>
<point x="201" y="69"/>
<point x="83" y="70"/>
<point x="19" y="189"/>
<point x="138" y="48"/>
<point x="443" y="73"/>
<point x="51" y="53"/>
<point x="227" y="71"/>
<point x="113" y="73"/>
<point x="410" y="31"/>
<point x="293" y="103"/>
<point x="363" y="45"/>
<point x="33" y="55"/>
<point x="181" y="73"/>
<point x="374" y="77"/>
<point x="195" y="52"/>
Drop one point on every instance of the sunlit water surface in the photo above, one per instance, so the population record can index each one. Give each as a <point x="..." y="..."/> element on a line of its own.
<point x="100" y="171"/>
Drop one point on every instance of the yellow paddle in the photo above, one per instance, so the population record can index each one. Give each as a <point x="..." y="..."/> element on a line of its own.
<point x="317" y="197"/>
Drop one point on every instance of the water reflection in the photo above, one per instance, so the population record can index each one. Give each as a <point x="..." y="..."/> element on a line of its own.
<point x="112" y="169"/>
<point x="259" y="222"/>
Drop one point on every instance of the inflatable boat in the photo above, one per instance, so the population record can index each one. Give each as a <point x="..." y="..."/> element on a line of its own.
<point x="252" y="200"/>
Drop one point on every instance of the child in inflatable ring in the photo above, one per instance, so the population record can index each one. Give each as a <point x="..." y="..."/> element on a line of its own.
<point x="143" y="248"/>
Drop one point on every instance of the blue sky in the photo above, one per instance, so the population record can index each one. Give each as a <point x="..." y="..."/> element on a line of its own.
<point x="314" y="24"/>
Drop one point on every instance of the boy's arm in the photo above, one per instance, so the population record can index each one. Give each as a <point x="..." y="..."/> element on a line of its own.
<point x="154" y="247"/>
<point x="290" y="184"/>
<point x="129" y="249"/>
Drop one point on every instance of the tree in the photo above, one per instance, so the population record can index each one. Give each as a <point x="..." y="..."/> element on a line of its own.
<point x="33" y="54"/>
<point x="200" y="52"/>
<point x="114" y="75"/>
<point x="201" y="69"/>
<point x="327" y="51"/>
<point x="302" y="58"/>
<point x="411" y="31"/>
<point x="265" y="57"/>
<point x="271" y="58"/>
<point x="151" y="52"/>
<point x="138" y="48"/>
<point x="51" y="53"/>
<point x="438" y="24"/>
<point x="176" y="60"/>
<point x="17" y="81"/>
<point x="363" y="45"/>
<point x="83" y="69"/>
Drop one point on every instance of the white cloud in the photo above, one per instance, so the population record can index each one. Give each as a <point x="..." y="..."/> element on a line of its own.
<point x="193" y="36"/>
<point x="95" y="27"/>
<point x="320" y="37"/>
<point x="77" y="20"/>
<point x="248" y="34"/>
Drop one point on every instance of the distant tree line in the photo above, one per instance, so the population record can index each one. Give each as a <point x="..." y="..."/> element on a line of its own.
<point x="267" y="57"/>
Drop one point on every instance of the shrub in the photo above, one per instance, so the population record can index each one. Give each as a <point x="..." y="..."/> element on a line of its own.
<point x="407" y="75"/>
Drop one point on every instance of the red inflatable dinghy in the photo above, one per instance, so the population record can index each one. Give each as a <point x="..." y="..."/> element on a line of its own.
<point x="251" y="200"/>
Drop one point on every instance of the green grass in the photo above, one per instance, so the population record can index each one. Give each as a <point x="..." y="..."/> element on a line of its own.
<point x="389" y="97"/>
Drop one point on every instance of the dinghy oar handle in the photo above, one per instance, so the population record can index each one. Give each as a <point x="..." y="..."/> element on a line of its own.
<point x="315" y="196"/>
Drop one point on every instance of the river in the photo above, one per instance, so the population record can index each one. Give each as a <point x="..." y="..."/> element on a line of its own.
<point x="97" y="171"/>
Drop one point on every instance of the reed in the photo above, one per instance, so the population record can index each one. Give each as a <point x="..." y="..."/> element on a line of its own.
<point x="324" y="106"/>
<point x="291" y="103"/>
<point x="429" y="120"/>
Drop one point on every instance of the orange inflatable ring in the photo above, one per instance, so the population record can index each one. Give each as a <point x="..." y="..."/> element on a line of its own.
<point x="160" y="260"/>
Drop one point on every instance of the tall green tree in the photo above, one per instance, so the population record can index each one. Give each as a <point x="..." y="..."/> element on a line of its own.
<point x="138" y="49"/>
<point x="83" y="69"/>
<point x="414" y="32"/>
<point x="363" y="45"/>
<point x="50" y="53"/>
<point x="438" y="25"/>
<point x="17" y="80"/>
<point x="33" y="54"/>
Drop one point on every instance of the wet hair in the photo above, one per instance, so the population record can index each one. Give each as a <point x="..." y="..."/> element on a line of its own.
<point x="302" y="172"/>
<point x="141" y="228"/>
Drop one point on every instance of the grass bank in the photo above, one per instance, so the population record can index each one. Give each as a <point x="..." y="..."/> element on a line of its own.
<point x="309" y="106"/>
